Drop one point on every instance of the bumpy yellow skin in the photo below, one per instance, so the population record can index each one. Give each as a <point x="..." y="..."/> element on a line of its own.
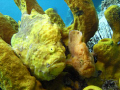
<point x="13" y="74"/>
<point x="112" y="14"/>
<point x="85" y="19"/>
<point x="39" y="46"/>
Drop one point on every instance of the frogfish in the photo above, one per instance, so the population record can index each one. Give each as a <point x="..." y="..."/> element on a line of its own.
<point x="81" y="59"/>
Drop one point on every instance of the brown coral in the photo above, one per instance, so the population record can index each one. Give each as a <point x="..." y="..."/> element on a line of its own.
<point x="6" y="29"/>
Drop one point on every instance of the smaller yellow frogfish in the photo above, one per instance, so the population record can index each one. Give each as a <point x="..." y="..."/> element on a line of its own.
<point x="81" y="59"/>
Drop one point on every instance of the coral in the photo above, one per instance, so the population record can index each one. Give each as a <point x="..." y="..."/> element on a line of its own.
<point x="85" y="19"/>
<point x="38" y="45"/>
<point x="91" y="87"/>
<point x="104" y="31"/>
<point x="81" y="59"/>
<point x="30" y="4"/>
<point x="6" y="29"/>
<point x="108" y="50"/>
<point x="106" y="3"/>
<point x="110" y="85"/>
<point x="107" y="58"/>
<point x="113" y="18"/>
<point x="13" y="74"/>
<point x="54" y="17"/>
<point x="13" y="22"/>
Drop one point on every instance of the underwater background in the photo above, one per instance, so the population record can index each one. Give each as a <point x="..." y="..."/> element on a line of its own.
<point x="59" y="6"/>
<point x="77" y="59"/>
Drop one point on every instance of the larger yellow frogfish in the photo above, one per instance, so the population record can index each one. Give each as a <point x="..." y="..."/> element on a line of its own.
<point x="38" y="45"/>
<point x="81" y="59"/>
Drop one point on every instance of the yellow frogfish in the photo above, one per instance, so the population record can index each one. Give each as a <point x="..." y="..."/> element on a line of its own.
<point x="38" y="45"/>
<point x="81" y="59"/>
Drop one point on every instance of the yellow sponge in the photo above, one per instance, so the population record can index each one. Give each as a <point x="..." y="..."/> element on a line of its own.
<point x="92" y="87"/>
<point x="85" y="18"/>
<point x="112" y="14"/>
<point x="13" y="74"/>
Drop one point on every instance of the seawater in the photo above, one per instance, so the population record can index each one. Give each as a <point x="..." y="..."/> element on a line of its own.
<point x="8" y="7"/>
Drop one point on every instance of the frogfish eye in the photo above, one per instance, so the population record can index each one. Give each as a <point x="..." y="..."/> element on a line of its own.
<point x="52" y="49"/>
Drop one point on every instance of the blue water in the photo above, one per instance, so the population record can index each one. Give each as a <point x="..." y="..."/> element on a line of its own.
<point x="8" y="7"/>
